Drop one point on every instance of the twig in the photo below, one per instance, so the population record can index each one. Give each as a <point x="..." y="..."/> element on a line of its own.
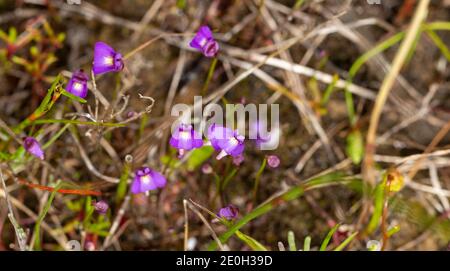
<point x="98" y="96"/>
<point x="213" y="233"/>
<point x="186" y="225"/>
<point x="439" y="136"/>
<point x="386" y="87"/>
<point x="88" y="162"/>
<point x="20" y="233"/>
<point x="116" y="222"/>
<point x="148" y="16"/>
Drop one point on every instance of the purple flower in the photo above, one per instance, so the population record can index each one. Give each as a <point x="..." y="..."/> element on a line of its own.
<point x="273" y="161"/>
<point x="229" y="212"/>
<point x="146" y="179"/>
<point x="225" y="140"/>
<point x="78" y="84"/>
<point x="106" y="59"/>
<point x="32" y="146"/>
<point x="101" y="207"/>
<point x="205" y="42"/>
<point x="185" y="138"/>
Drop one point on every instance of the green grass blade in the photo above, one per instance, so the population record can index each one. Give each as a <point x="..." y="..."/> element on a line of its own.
<point x="376" y="216"/>
<point x="78" y="122"/>
<point x="37" y="226"/>
<point x="73" y="97"/>
<point x="307" y="243"/>
<point x="291" y="241"/>
<point x="346" y="242"/>
<point x="255" y="245"/>
<point x="439" y="44"/>
<point x="327" y="239"/>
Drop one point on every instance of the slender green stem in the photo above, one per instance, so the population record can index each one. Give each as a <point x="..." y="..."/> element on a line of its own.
<point x="257" y="177"/>
<point x="439" y="43"/>
<point x="123" y="183"/>
<point x="47" y="103"/>
<point x="228" y="178"/>
<point x="327" y="94"/>
<point x="78" y="122"/>
<point x="212" y="68"/>
<point x="37" y="226"/>
<point x="55" y="137"/>
<point x="350" y="107"/>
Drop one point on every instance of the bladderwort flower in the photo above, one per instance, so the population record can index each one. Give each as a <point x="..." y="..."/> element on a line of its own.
<point x="225" y="140"/>
<point x="273" y="161"/>
<point x="32" y="146"/>
<point x="185" y="138"/>
<point x="78" y="84"/>
<point x="229" y="212"/>
<point x="205" y="42"/>
<point x="106" y="59"/>
<point x="101" y="206"/>
<point x="146" y="179"/>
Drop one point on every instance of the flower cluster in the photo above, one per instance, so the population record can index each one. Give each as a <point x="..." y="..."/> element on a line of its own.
<point x="226" y="141"/>
<point x="106" y="59"/>
<point x="222" y="139"/>
<point x="184" y="138"/>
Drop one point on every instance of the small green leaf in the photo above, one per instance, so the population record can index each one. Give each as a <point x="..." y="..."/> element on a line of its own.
<point x="61" y="37"/>
<point x="4" y="36"/>
<point x="393" y="230"/>
<point x="355" y="147"/>
<point x="298" y="4"/>
<point x="12" y="34"/>
<point x="19" y="61"/>
<point x="34" y="51"/>
<point x="198" y="156"/>
<point x="181" y="4"/>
